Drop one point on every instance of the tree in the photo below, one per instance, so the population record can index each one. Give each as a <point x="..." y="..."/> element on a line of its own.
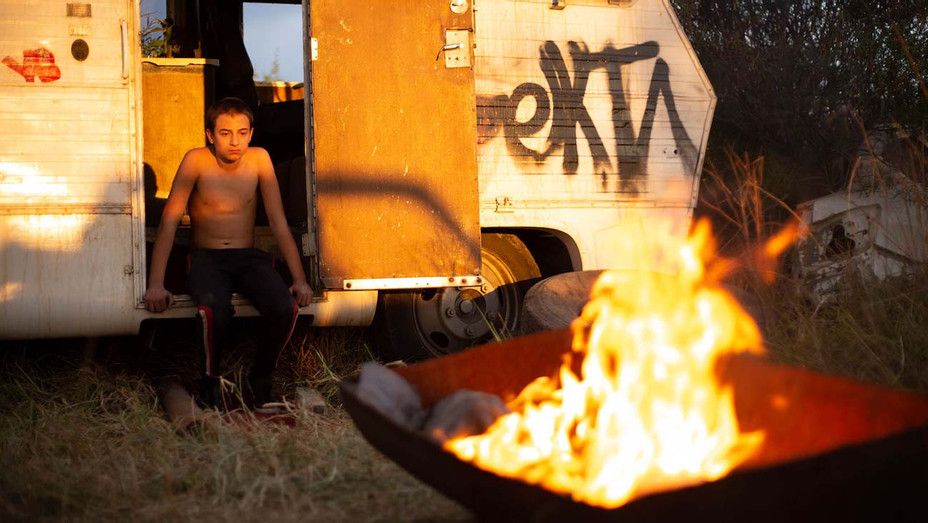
<point x="273" y="74"/>
<point x="802" y="79"/>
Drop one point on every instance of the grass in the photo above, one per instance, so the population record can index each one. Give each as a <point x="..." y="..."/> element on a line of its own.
<point x="877" y="332"/>
<point x="86" y="439"/>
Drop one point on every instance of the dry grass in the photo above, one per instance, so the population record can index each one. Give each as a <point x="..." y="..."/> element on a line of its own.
<point x="876" y="332"/>
<point x="87" y="440"/>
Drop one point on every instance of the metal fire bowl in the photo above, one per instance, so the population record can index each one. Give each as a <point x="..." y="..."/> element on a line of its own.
<point x="835" y="448"/>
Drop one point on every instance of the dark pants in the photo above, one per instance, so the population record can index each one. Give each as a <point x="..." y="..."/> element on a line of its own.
<point x="214" y="275"/>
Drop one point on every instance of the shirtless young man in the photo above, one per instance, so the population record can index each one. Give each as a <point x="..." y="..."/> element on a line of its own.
<point x="220" y="185"/>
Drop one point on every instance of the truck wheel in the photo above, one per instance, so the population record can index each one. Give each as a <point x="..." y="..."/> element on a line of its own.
<point x="414" y="325"/>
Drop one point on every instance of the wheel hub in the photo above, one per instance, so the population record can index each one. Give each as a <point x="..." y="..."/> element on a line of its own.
<point x="454" y="317"/>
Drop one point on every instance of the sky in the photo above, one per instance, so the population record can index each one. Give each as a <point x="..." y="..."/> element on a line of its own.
<point x="275" y="30"/>
<point x="270" y="31"/>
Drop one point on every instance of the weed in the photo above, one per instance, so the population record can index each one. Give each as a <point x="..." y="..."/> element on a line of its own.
<point x="874" y="331"/>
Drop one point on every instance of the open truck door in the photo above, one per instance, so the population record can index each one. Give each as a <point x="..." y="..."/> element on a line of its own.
<point x="393" y="146"/>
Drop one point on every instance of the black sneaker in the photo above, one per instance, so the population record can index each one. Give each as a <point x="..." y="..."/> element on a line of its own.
<point x="261" y="389"/>
<point x="215" y="393"/>
<point x="209" y="393"/>
<point x="263" y="399"/>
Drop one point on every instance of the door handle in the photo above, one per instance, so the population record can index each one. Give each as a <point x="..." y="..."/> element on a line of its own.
<point x="124" y="33"/>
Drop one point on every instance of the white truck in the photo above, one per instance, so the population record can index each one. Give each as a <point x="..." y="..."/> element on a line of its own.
<point x="451" y="153"/>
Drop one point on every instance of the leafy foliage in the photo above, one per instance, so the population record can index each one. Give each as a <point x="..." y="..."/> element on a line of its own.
<point x="156" y="38"/>
<point x="804" y="78"/>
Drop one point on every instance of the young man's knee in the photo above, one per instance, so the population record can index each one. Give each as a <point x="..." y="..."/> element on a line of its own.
<point x="212" y="300"/>
<point x="284" y="311"/>
<point x="215" y="313"/>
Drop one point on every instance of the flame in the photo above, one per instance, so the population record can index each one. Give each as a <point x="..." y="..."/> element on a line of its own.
<point x="646" y="411"/>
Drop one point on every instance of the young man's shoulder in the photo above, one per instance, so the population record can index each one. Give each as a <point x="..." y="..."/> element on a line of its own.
<point x="259" y="153"/>
<point x="257" y="158"/>
<point x="199" y="154"/>
<point x="203" y="159"/>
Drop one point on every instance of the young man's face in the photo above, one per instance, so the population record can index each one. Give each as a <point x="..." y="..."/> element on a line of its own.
<point x="230" y="136"/>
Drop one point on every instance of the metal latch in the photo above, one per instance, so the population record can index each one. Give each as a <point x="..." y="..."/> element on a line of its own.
<point x="457" y="48"/>
<point x="313" y="49"/>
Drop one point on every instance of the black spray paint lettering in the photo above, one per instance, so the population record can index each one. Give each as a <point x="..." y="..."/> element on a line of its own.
<point x="566" y="110"/>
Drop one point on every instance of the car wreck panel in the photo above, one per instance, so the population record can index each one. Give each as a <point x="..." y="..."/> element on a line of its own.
<point x="876" y="236"/>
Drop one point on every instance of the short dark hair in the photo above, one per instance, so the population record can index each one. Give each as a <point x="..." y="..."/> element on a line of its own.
<point x="228" y="105"/>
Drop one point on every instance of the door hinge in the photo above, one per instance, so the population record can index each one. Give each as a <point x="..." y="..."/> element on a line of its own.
<point x="308" y="243"/>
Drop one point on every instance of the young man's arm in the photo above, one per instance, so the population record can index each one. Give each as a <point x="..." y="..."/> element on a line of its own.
<point x="157" y="298"/>
<point x="270" y="195"/>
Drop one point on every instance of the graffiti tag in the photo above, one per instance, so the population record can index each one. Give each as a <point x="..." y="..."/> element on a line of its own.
<point x="566" y="111"/>
<point x="37" y="63"/>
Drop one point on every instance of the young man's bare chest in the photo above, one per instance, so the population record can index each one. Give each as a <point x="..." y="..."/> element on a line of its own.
<point x="222" y="205"/>
<point x="225" y="191"/>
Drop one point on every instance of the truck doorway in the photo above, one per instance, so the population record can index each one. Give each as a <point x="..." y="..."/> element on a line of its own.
<point x="205" y="54"/>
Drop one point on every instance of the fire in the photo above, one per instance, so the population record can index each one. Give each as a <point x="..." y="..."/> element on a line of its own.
<point x="646" y="411"/>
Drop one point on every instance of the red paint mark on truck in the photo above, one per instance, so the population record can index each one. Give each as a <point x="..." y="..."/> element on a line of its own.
<point x="36" y="63"/>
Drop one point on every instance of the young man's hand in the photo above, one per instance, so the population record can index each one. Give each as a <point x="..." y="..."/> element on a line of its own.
<point x="158" y="299"/>
<point x="302" y="292"/>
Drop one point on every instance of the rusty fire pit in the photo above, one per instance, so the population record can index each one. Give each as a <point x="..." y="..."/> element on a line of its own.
<point x="834" y="448"/>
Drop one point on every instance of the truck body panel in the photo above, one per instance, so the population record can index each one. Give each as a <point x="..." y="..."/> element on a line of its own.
<point x="874" y="229"/>
<point x="585" y="110"/>
<point x="69" y="158"/>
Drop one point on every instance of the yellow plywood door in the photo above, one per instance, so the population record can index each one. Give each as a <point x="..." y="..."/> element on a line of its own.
<point x="394" y="140"/>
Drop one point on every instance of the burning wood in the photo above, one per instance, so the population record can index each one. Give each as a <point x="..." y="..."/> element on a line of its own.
<point x="833" y="448"/>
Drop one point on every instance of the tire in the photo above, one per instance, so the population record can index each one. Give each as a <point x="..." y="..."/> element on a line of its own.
<point x="555" y="302"/>
<point x="415" y="325"/>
